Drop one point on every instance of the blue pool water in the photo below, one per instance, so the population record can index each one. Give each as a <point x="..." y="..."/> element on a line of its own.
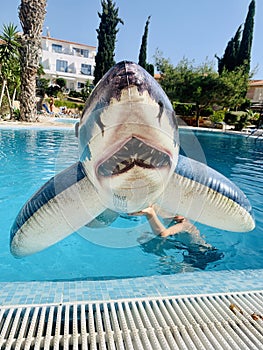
<point x="67" y="120"/>
<point x="30" y="157"/>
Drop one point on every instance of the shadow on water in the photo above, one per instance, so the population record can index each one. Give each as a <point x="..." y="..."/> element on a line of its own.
<point x="176" y="256"/>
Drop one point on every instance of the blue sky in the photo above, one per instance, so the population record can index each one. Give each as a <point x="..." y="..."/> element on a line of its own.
<point x="195" y="29"/>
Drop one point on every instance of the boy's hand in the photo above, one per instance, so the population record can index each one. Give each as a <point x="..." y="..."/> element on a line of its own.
<point x="147" y="211"/>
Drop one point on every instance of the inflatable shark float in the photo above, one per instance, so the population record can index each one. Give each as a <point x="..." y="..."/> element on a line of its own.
<point x="129" y="159"/>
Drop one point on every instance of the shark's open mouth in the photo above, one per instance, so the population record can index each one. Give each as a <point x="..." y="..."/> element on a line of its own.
<point x="134" y="152"/>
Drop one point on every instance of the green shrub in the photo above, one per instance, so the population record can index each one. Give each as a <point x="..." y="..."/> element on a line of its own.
<point x="53" y="91"/>
<point x="16" y="114"/>
<point x="207" y="112"/>
<point x="61" y="82"/>
<point x="184" y="109"/>
<point x="69" y="104"/>
<point x="75" y="94"/>
<point x="239" y="119"/>
<point x="42" y="86"/>
<point x="218" y="116"/>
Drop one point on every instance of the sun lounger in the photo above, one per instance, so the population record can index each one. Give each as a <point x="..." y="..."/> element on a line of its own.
<point x="257" y="132"/>
<point x="46" y="108"/>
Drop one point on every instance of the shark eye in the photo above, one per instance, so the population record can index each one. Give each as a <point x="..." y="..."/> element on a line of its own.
<point x="160" y="103"/>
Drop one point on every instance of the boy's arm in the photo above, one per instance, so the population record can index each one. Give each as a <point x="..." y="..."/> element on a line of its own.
<point x="156" y="225"/>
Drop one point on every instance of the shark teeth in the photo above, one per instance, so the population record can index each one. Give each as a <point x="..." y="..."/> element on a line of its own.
<point x="134" y="152"/>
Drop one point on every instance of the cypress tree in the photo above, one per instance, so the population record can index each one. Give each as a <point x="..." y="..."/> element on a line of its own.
<point x="143" y="50"/>
<point x="106" y="35"/>
<point x="229" y="59"/>
<point x="238" y="51"/>
<point x="244" y="55"/>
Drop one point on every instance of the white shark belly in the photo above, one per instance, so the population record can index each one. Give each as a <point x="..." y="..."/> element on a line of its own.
<point x="200" y="193"/>
<point x="63" y="205"/>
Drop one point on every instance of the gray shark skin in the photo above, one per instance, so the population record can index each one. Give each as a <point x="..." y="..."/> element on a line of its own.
<point x="128" y="159"/>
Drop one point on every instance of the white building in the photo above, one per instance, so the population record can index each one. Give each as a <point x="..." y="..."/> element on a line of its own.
<point x="71" y="61"/>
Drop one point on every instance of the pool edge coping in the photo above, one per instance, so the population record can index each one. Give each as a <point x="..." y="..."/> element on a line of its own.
<point x="190" y="283"/>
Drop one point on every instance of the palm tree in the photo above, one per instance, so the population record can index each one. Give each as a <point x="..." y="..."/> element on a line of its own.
<point x="32" y="15"/>
<point x="9" y="63"/>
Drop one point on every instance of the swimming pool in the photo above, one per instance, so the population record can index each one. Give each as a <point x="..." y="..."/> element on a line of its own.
<point x="30" y="157"/>
<point x="67" y="120"/>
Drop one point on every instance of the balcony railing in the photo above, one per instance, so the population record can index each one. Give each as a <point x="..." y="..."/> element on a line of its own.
<point x="69" y="69"/>
<point x="67" y="51"/>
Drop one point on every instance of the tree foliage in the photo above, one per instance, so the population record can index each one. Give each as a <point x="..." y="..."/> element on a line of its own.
<point x="201" y="85"/>
<point x="230" y="57"/>
<point x="86" y="90"/>
<point x="107" y="32"/>
<point x="9" y="64"/>
<point x="143" y="50"/>
<point x="61" y="82"/>
<point x="244" y="55"/>
<point x="10" y="45"/>
<point x="238" y="49"/>
<point x="235" y="86"/>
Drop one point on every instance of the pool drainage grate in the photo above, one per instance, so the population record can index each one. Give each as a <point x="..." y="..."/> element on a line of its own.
<point x="217" y="321"/>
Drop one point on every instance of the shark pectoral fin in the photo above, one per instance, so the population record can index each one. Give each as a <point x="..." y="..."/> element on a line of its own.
<point x="64" y="204"/>
<point x="202" y="194"/>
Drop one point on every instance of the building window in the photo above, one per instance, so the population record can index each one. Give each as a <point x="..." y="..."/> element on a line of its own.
<point x="61" y="66"/>
<point x="56" y="48"/>
<point x="80" y="85"/>
<point x="81" y="52"/>
<point x="86" y="53"/>
<point x="86" y="69"/>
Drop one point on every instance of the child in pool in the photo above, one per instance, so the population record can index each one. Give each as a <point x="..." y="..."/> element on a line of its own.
<point x="200" y="253"/>
<point x="182" y="225"/>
